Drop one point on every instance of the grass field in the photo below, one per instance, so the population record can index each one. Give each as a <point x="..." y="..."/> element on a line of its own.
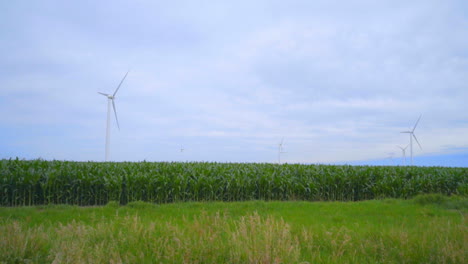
<point x="427" y="229"/>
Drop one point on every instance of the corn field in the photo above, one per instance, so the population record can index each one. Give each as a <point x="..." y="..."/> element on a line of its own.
<point x="38" y="182"/>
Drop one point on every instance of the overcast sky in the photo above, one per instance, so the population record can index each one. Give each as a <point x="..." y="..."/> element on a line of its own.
<point x="227" y="80"/>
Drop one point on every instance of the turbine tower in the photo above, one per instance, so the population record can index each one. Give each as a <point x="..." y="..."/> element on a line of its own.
<point x="390" y="157"/>
<point x="403" y="150"/>
<point x="110" y="101"/>
<point x="280" y="150"/>
<point x="411" y="136"/>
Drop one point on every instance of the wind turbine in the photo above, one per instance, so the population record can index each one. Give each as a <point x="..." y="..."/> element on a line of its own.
<point x="280" y="150"/>
<point x="182" y="149"/>
<point x="411" y="136"/>
<point x="110" y="101"/>
<point x="404" y="153"/>
<point x="390" y="157"/>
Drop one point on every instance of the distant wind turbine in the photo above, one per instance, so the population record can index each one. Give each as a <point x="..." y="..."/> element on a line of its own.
<point x="110" y="101"/>
<point x="403" y="150"/>
<point x="182" y="149"/>
<point x="390" y="157"/>
<point x="411" y="136"/>
<point x="280" y="150"/>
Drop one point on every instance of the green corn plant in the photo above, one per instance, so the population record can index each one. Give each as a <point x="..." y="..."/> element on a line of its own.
<point x="36" y="182"/>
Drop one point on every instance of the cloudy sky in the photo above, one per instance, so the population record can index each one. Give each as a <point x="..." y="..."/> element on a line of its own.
<point x="227" y="80"/>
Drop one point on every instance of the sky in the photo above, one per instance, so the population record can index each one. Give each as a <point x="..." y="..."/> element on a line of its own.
<point x="228" y="80"/>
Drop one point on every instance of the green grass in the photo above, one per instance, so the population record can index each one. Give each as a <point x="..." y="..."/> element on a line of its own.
<point x="427" y="229"/>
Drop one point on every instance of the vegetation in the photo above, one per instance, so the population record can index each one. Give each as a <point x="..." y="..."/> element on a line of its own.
<point x="379" y="231"/>
<point x="39" y="182"/>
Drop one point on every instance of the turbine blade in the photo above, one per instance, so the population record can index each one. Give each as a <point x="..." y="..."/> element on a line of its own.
<point x="416" y="123"/>
<point x="118" y="87"/>
<point x="103" y="94"/>
<point x="417" y="141"/>
<point x="406" y="132"/>
<point x="115" y="112"/>
<point x="400" y="147"/>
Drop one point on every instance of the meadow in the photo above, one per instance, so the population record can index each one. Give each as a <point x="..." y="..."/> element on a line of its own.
<point x="426" y="229"/>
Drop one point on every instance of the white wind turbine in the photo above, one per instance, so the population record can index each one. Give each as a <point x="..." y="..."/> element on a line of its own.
<point x="280" y="150"/>
<point x="411" y="136"/>
<point x="390" y="157"/>
<point x="403" y="150"/>
<point x="110" y="100"/>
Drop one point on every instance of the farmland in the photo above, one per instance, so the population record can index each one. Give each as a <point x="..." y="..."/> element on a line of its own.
<point x="160" y="212"/>
<point x="39" y="182"/>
